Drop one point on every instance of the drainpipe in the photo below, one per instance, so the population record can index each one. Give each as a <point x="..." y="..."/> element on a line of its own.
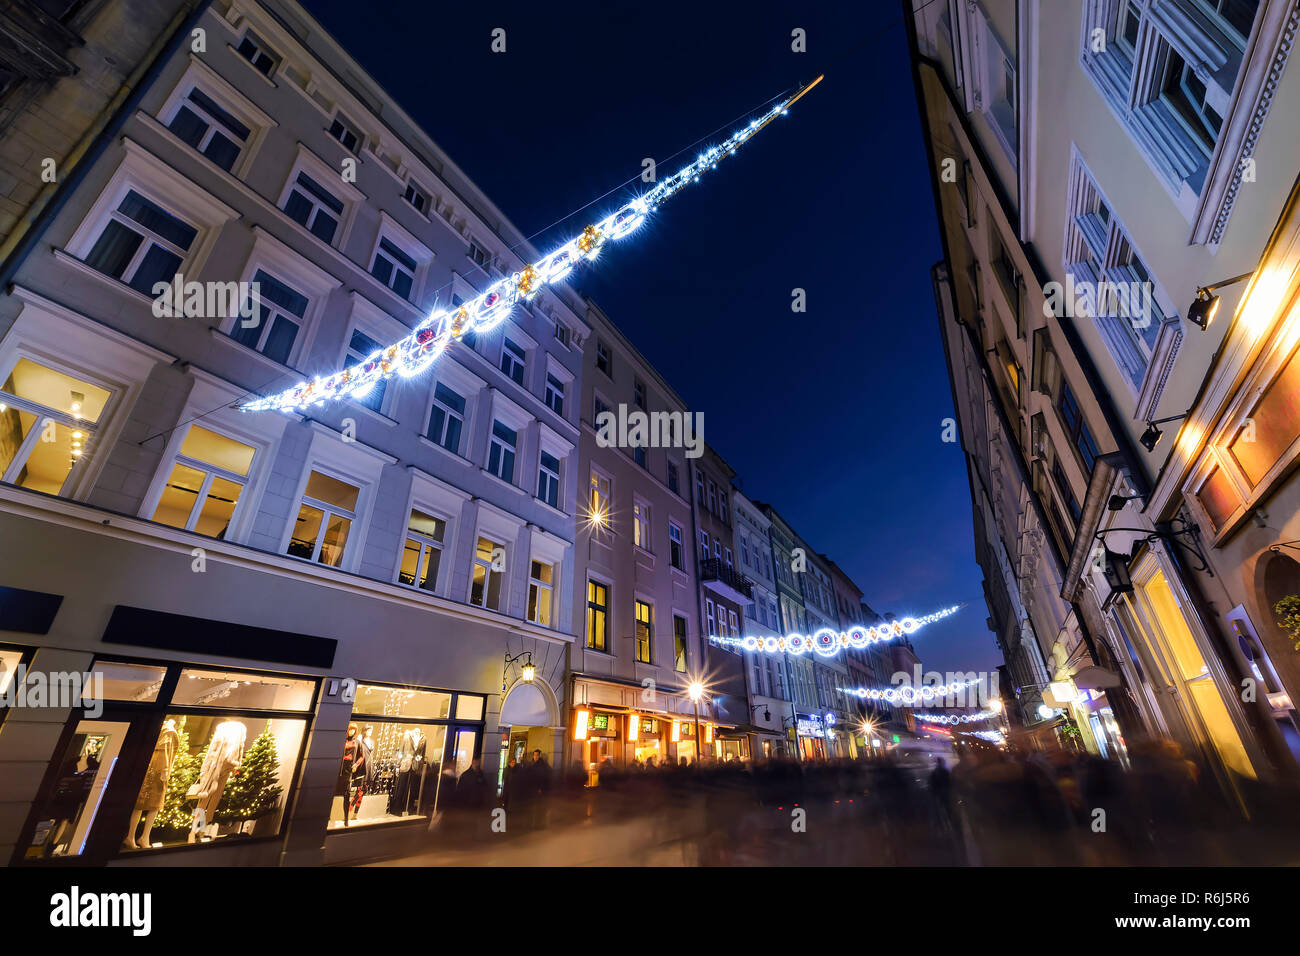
<point x="25" y="234"/>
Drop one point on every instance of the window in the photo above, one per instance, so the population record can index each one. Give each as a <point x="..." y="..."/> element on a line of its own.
<point x="488" y="572"/>
<point x="540" y="584"/>
<point x="512" y="360"/>
<point x="598" y="500"/>
<point x="394" y="268"/>
<point x="480" y="256"/>
<point x="406" y="737"/>
<point x="674" y="483"/>
<point x="548" y="479"/>
<point x="469" y="337"/>
<point x="313" y="206"/>
<point x="254" y="49"/>
<point x="699" y="489"/>
<point x="360" y="348"/>
<point x="325" y="516"/>
<point x="638" y="393"/>
<point x="704" y="546"/>
<point x="597" y="616"/>
<point x="562" y="334"/>
<point x="709" y="618"/>
<point x="47" y="421"/>
<point x="279" y="319"/>
<point x="679" y="644"/>
<point x="598" y="408"/>
<point x="638" y="455"/>
<point x="713" y="497"/>
<point x="422" y="552"/>
<point x="343" y="131"/>
<point x="205" y="484"/>
<point x="212" y="130"/>
<point x="554" y="394"/>
<point x="1076" y="428"/>
<point x="417" y="197"/>
<point x="644" y="631"/>
<point x="676" y="553"/>
<point x="141" y="244"/>
<point x="744" y="550"/>
<point x="727" y="552"/>
<point x="447" y="418"/>
<point x="1063" y="486"/>
<point x="641" y="525"/>
<point x="722" y="506"/>
<point x="1186" y="94"/>
<point x="501" y="452"/>
<point x="604" y="360"/>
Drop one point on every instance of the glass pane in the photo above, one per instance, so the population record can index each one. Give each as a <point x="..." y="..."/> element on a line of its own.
<point x="476" y="585"/>
<point x="114" y="249"/>
<point x="14" y="426"/>
<point x="50" y="462"/>
<point x="324" y="226"/>
<point x="222" y="151"/>
<point x="388" y="772"/>
<point x="178" y="497"/>
<point x="1218" y="723"/>
<point x="336" y="539"/>
<point x="410" y="562"/>
<point x="306" y="529"/>
<point x="1173" y="627"/>
<point x="235" y="689"/>
<point x="226" y="453"/>
<point x="119" y="680"/>
<point x="332" y="491"/>
<point x="1277" y="424"/>
<point x="429" y="577"/>
<point x="225" y="776"/>
<point x="379" y="701"/>
<point x="70" y="805"/>
<point x="218" y="508"/>
<point x="279" y="341"/>
<point x="469" y="707"/>
<point x="158" y="265"/>
<point x="1218" y="497"/>
<point x="157" y="219"/>
<point x="427" y="525"/>
<point x="187" y="125"/>
<point x="57" y="391"/>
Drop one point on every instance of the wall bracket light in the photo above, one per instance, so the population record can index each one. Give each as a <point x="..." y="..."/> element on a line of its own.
<point x="1164" y="530"/>
<point x="1151" y="437"/>
<point x="1206" y="304"/>
<point x="527" y="670"/>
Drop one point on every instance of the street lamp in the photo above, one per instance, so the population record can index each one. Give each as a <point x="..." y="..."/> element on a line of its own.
<point x="695" y="692"/>
<point x="527" y="670"/>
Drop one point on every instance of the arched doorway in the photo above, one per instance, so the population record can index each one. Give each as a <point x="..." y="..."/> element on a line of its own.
<point x="1273" y="660"/>
<point x="529" y="721"/>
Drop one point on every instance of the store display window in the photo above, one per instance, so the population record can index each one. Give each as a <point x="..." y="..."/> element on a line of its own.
<point x="181" y="756"/>
<point x="402" y="746"/>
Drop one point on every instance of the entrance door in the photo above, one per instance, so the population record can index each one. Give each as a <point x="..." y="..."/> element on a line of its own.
<point x="1174" y="649"/>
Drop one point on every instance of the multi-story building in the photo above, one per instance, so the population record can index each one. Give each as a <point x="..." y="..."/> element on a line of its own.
<point x="338" y="592"/>
<point x="1083" y="244"/>
<point x="771" y="710"/>
<point x="639" y="647"/>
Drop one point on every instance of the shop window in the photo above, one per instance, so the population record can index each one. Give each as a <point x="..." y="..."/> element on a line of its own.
<point x="205" y="484"/>
<point x="47" y="421"/>
<point x="423" y="551"/>
<point x="324" y="519"/>
<point x="196" y="757"/>
<point x="399" y="743"/>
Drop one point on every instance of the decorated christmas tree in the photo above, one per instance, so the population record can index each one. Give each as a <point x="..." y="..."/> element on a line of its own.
<point x="253" y="790"/>
<point x="175" y="813"/>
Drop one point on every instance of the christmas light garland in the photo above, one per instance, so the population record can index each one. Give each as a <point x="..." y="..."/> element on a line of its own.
<point x="908" y="694"/>
<point x="416" y="352"/>
<point x="828" y="642"/>
<point x="957" y="718"/>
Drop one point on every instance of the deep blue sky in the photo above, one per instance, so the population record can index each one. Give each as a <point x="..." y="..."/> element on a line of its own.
<point x="832" y="415"/>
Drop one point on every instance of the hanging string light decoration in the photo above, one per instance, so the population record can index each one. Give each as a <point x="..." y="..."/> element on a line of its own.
<point x="827" y="642"/>
<point x="957" y="718"/>
<point x="416" y="352"/>
<point x="907" y="694"/>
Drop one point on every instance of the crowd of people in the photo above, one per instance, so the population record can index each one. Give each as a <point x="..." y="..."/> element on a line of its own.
<point x="983" y="806"/>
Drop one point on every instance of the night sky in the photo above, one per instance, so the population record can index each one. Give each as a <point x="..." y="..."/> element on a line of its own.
<point x="833" y="415"/>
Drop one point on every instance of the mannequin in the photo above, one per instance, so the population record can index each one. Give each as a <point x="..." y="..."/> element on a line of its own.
<point x="153" y="792"/>
<point x="225" y="753"/>
<point x="356" y="761"/>
<point x="410" y="771"/>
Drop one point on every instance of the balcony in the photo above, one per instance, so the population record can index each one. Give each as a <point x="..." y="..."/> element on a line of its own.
<point x="726" y="581"/>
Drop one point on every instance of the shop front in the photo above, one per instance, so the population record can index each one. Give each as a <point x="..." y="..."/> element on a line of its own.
<point x="810" y="730"/>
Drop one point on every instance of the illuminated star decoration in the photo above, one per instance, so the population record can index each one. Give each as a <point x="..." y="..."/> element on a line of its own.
<point x="416" y="352"/>
<point x="907" y="694"/>
<point x="827" y="642"/>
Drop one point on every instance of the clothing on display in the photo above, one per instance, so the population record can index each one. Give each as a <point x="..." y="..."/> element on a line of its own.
<point x="225" y="752"/>
<point x="154" y="789"/>
<point x="405" y="797"/>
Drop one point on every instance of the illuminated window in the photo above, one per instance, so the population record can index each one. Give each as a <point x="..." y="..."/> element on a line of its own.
<point x="644" y="631"/>
<point x="205" y="483"/>
<point x="329" y="506"/>
<point x="597" y="616"/>
<point x="47" y="423"/>
<point x="422" y="554"/>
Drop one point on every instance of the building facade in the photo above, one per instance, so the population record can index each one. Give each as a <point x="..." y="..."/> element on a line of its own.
<point x="327" y="601"/>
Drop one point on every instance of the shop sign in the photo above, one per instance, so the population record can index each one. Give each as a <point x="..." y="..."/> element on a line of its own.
<point x="810" y="727"/>
<point x="344" y="688"/>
